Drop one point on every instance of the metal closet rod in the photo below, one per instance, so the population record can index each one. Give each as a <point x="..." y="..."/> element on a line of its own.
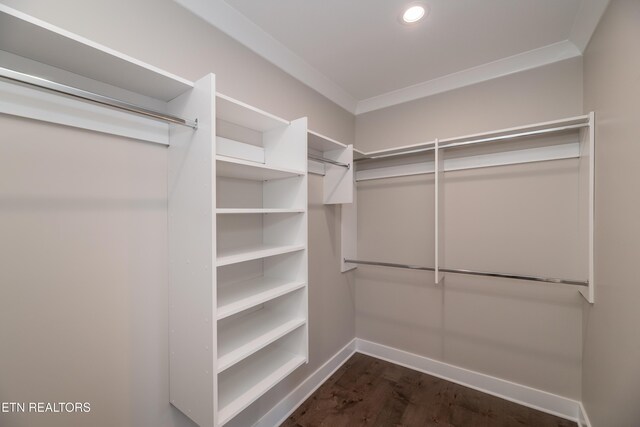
<point x="333" y="162"/>
<point x="74" y="92"/>
<point x="473" y="272"/>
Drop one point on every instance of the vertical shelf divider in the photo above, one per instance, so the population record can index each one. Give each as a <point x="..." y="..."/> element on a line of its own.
<point x="349" y="230"/>
<point x="587" y="204"/>
<point x="192" y="254"/>
<point x="439" y="214"/>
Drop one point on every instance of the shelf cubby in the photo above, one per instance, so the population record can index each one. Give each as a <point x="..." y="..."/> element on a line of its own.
<point x="230" y="167"/>
<point x="245" y="333"/>
<point x="242" y="384"/>
<point x="242" y="286"/>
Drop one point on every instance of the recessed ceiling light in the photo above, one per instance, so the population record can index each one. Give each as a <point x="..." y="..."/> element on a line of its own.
<point x="413" y="14"/>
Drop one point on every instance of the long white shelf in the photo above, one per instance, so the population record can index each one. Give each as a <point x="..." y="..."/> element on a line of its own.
<point x="319" y="142"/>
<point x="243" y="169"/>
<point x="237" y="112"/>
<point x="240" y="338"/>
<point x="257" y="376"/>
<point x="229" y="211"/>
<point x="247" y="254"/>
<point x="236" y="297"/>
<point x="40" y="41"/>
<point x="496" y="134"/>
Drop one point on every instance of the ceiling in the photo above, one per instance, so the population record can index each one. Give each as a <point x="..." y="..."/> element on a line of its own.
<point x="359" y="54"/>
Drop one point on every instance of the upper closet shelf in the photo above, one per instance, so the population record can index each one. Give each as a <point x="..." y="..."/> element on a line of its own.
<point x="322" y="143"/>
<point x="538" y="129"/>
<point x="239" y="113"/>
<point x="244" y="169"/>
<point x="534" y="130"/>
<point x="29" y="37"/>
<point x="334" y="161"/>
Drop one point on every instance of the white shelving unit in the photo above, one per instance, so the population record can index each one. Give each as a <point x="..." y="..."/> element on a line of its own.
<point x="261" y="245"/>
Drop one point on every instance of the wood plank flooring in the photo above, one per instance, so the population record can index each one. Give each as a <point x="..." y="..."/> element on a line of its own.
<point x="370" y="392"/>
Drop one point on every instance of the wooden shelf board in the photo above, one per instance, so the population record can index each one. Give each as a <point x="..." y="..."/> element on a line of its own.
<point x="322" y="143"/>
<point x="247" y="254"/>
<point x="239" y="113"/>
<point x="230" y="211"/>
<point x="242" y="337"/>
<point x="236" y="297"/>
<point x="242" y="169"/>
<point x="40" y="41"/>
<point x="258" y="376"/>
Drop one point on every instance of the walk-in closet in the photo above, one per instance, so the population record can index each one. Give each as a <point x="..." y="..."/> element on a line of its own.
<point x="304" y="214"/>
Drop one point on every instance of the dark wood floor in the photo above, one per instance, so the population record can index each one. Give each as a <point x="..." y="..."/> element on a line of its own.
<point x="369" y="392"/>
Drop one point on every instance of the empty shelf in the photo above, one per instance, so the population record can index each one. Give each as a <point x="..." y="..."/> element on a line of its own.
<point x="236" y="297"/>
<point x="244" y="386"/>
<point x="226" y="211"/>
<point x="240" y="338"/>
<point x="244" y="169"/>
<point x="40" y="41"/>
<point x="226" y="257"/>
<point x="322" y="143"/>
<point x="237" y="112"/>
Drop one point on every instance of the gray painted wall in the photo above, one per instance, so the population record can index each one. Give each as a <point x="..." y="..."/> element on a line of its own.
<point x="611" y="372"/>
<point x="518" y="218"/>
<point x="83" y="231"/>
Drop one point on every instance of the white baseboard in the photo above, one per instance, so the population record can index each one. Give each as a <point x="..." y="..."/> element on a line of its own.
<point x="583" y="418"/>
<point x="537" y="399"/>
<point x="523" y="395"/>
<point x="279" y="413"/>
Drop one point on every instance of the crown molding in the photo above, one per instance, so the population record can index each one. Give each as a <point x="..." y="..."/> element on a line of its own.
<point x="586" y="21"/>
<point x="502" y="67"/>
<point x="239" y="27"/>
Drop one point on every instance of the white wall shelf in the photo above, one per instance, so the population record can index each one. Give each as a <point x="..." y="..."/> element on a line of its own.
<point x="232" y="211"/>
<point x="243" y="337"/>
<point x="253" y="378"/>
<point x="40" y="41"/>
<point x="235" y="256"/>
<point x="242" y="169"/>
<point x="246" y="294"/>
<point x="237" y="112"/>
